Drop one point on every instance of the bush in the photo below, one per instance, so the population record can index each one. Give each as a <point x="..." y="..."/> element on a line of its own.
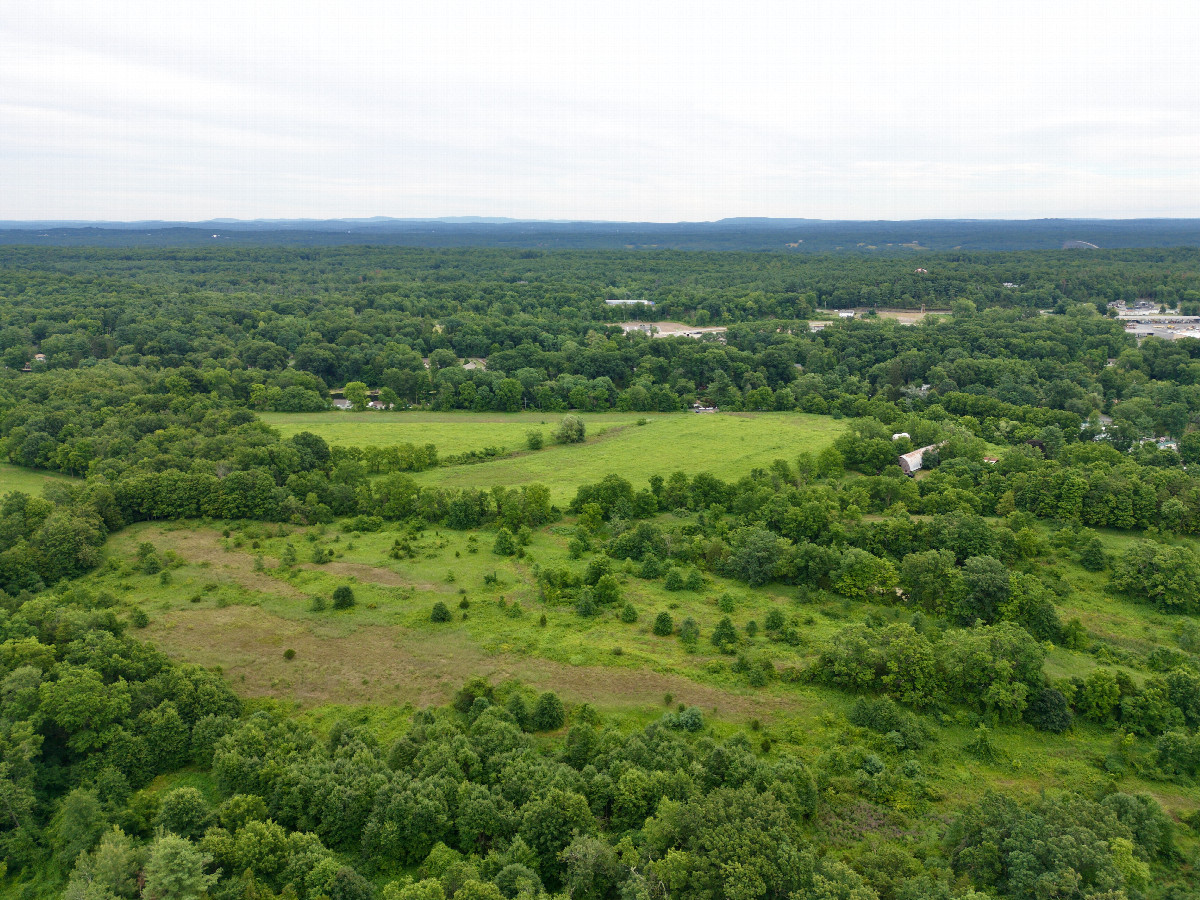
<point x="628" y="614"/>
<point x="724" y="636"/>
<point x="1048" y="711"/>
<point x="689" y="633"/>
<point x="138" y="618"/>
<point x="571" y="430"/>
<point x="606" y="591"/>
<point x="690" y="719"/>
<point x="343" y="597"/>
<point x="289" y="654"/>
<point x="548" y="713"/>
<point x="663" y="625"/>
<point x="439" y="613"/>
<point x="534" y="439"/>
<point x="317" y="604"/>
<point x="674" y="580"/>
<point x="506" y="544"/>
<point x="651" y="567"/>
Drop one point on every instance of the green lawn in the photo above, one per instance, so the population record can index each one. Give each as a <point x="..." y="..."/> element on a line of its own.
<point x="728" y="445"/>
<point x="451" y="432"/>
<point x="29" y="481"/>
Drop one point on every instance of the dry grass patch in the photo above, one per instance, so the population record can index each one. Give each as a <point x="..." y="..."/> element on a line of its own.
<point x="379" y="664"/>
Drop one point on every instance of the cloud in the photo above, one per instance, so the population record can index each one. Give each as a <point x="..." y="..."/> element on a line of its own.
<point x="661" y="111"/>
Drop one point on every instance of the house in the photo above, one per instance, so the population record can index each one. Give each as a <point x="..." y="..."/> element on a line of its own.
<point x="39" y="357"/>
<point x="376" y="404"/>
<point x="845" y="314"/>
<point x="921" y="272"/>
<point x="911" y="462"/>
<point x="901" y="434"/>
<point x="703" y="409"/>
<point x="342" y="403"/>
<point x="991" y="460"/>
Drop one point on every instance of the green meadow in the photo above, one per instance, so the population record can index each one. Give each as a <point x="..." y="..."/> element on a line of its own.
<point x="633" y="445"/>
<point x="227" y="602"/>
<point x="29" y="481"/>
<point x="450" y="432"/>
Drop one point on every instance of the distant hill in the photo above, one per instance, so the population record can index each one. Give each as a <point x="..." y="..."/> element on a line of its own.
<point x="756" y="234"/>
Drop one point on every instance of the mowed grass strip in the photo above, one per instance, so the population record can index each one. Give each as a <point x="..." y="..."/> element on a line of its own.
<point x="450" y="432"/>
<point x="727" y="445"/>
<point x="29" y="481"/>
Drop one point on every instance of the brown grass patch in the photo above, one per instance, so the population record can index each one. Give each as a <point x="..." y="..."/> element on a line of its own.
<point x="199" y="545"/>
<point x="380" y="664"/>
<point x="363" y="572"/>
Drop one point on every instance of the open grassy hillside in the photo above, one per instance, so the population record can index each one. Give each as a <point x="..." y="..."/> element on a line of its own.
<point x="226" y="602"/>
<point x="727" y="445"/>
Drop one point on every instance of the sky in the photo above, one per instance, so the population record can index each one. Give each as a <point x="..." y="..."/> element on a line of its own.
<point x="645" y="111"/>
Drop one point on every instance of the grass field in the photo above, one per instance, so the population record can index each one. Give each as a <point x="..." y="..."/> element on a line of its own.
<point x="726" y="444"/>
<point x="452" y="432"/>
<point x="228" y="605"/>
<point x="29" y="481"/>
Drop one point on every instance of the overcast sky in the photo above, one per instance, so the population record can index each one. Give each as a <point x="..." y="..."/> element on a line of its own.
<point x="656" y="111"/>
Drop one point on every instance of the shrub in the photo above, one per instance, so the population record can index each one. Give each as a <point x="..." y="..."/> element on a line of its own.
<point x="534" y="439"/>
<point x="548" y="713"/>
<point x="690" y="719"/>
<point x="138" y="618"/>
<point x="694" y="581"/>
<point x="628" y="614"/>
<point x="289" y="654"/>
<point x="663" y="625"/>
<point x="674" y="580"/>
<point x="651" y="567"/>
<point x="724" y="636"/>
<point x="606" y="591"/>
<point x="689" y="633"/>
<point x="506" y="544"/>
<point x="980" y="745"/>
<point x="343" y="597"/>
<point x="1048" y="711"/>
<point x="571" y="430"/>
<point x="439" y="613"/>
<point x="317" y="604"/>
<point x="465" y="696"/>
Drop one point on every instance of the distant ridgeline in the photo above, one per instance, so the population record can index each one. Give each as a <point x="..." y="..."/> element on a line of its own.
<point x="760" y="234"/>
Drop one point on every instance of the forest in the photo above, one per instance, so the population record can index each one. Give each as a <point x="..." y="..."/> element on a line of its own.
<point x="507" y="629"/>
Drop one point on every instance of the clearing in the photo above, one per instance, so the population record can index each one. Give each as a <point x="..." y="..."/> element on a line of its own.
<point x="29" y="481"/>
<point x="727" y="445"/>
<point x="450" y="432"/>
